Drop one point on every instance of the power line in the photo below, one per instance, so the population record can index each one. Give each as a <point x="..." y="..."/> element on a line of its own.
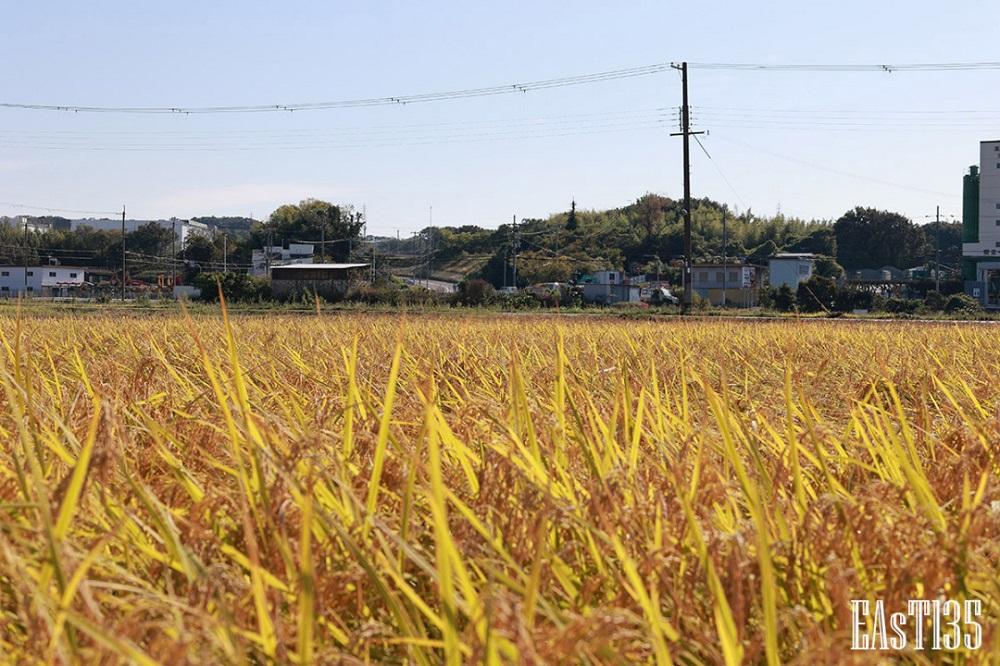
<point x="57" y="210"/>
<point x="838" y="172"/>
<point x="345" y="143"/>
<point x="817" y="67"/>
<point x="393" y="100"/>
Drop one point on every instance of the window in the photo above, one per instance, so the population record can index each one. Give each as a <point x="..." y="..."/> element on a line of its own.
<point x="52" y="273"/>
<point x="31" y="273"/>
<point x="803" y="269"/>
<point x="612" y="276"/>
<point x="733" y="276"/>
<point x="719" y="276"/>
<point x="703" y="276"/>
<point x="4" y="288"/>
<point x="31" y="288"/>
<point x="72" y="275"/>
<point x="7" y="273"/>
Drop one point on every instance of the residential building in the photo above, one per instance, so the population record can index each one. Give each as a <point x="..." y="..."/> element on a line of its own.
<point x="610" y="287"/>
<point x="790" y="268"/>
<point x="44" y="281"/>
<point x="738" y="280"/>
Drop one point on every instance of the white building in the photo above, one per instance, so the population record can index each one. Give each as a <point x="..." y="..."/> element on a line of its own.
<point x="610" y="287"/>
<point x="46" y="281"/>
<point x="981" y="227"/>
<point x="790" y="268"/>
<point x="183" y="229"/>
<point x="276" y="255"/>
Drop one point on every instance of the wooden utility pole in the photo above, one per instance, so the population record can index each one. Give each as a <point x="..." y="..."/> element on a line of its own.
<point x="513" y="246"/>
<point x="173" y="257"/>
<point x="725" y="258"/>
<point x="686" y="133"/>
<point x="937" y="250"/>
<point x="123" y="254"/>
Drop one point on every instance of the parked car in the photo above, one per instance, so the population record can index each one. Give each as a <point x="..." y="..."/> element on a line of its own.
<point x="660" y="296"/>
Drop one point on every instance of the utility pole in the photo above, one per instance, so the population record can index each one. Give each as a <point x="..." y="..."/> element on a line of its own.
<point x="25" y="256"/>
<point x="267" y="254"/>
<point x="937" y="250"/>
<point x="225" y="253"/>
<point x="173" y="256"/>
<point x="686" y="133"/>
<point x="123" y="254"/>
<point x="430" y="245"/>
<point x="513" y="247"/>
<point x="725" y="263"/>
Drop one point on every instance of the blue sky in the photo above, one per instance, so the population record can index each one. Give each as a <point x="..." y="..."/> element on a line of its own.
<point x="780" y="139"/>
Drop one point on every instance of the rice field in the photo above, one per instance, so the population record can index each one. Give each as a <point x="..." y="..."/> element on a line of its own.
<point x="443" y="489"/>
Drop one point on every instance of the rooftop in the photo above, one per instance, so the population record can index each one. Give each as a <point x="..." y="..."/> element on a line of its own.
<point x="321" y="266"/>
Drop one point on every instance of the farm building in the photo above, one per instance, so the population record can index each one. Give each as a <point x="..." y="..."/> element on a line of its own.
<point x="738" y="281"/>
<point x="329" y="281"/>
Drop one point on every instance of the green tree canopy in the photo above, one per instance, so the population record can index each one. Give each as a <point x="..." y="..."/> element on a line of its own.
<point x="871" y="238"/>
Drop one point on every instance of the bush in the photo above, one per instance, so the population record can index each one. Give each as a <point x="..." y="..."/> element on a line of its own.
<point x="902" y="305"/>
<point x="236" y="287"/>
<point x="475" y="293"/>
<point x="849" y="298"/>
<point x="784" y="298"/>
<point x="391" y="295"/>
<point x="817" y="293"/>
<point x="962" y="303"/>
<point x="935" y="300"/>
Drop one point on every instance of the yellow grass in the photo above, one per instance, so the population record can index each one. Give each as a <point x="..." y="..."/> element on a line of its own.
<point x="436" y="489"/>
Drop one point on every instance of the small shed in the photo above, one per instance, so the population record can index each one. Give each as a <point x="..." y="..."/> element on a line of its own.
<point x="327" y="280"/>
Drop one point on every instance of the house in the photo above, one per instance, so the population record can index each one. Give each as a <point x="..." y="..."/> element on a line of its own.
<point x="736" y="282"/>
<point x="330" y="281"/>
<point x="610" y="287"/>
<point x="790" y="268"/>
<point x="45" y="281"/>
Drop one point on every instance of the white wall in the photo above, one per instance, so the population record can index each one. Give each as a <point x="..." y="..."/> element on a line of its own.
<point x="41" y="280"/>
<point x="989" y="202"/>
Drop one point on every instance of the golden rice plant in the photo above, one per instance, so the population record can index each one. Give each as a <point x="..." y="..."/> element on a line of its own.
<point x="440" y="489"/>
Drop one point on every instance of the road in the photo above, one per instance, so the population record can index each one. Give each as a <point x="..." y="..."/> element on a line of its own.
<point x="439" y="286"/>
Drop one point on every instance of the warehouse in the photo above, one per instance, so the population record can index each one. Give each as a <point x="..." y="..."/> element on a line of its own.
<point x="330" y="281"/>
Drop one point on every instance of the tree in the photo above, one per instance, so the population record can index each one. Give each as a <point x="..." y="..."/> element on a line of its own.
<point x="150" y="239"/>
<point x="817" y="293"/>
<point x="828" y="267"/>
<point x="571" y="224"/>
<point x="199" y="249"/>
<point x="313" y="220"/>
<point x="871" y="238"/>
